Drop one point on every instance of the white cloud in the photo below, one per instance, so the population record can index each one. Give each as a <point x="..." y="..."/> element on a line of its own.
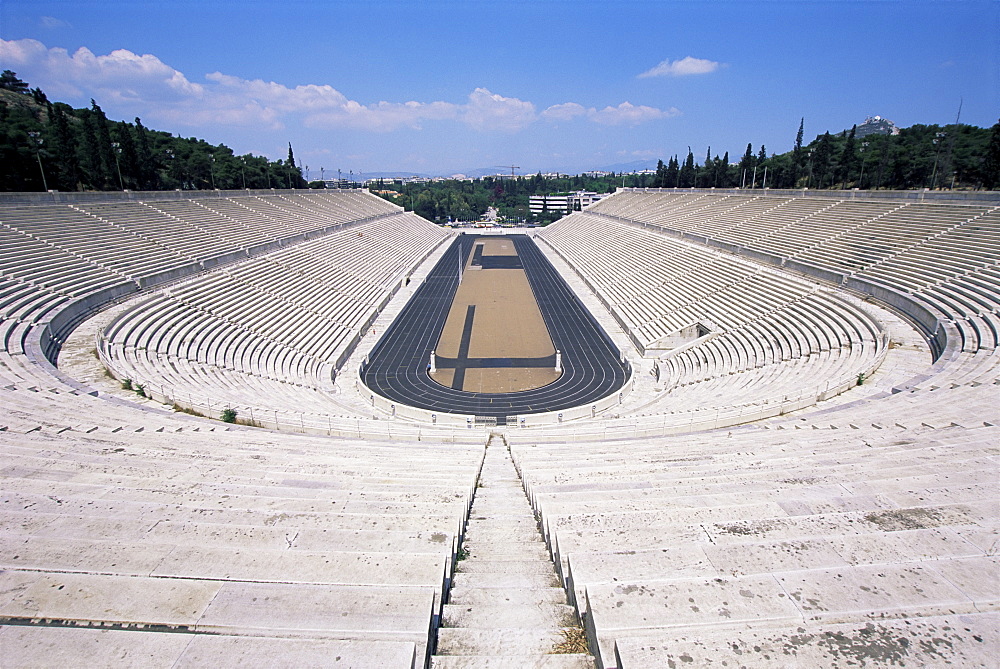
<point x="52" y="23"/>
<point x="682" y="68"/>
<point x="624" y="114"/>
<point x="565" y="112"/>
<point x="629" y="114"/>
<point x="142" y="84"/>
<point x="120" y="75"/>
<point x="489" y="111"/>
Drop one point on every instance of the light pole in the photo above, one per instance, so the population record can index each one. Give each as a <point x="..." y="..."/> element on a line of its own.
<point x="937" y="142"/>
<point x="114" y="150"/>
<point x="37" y="137"/>
<point x="861" y="178"/>
<point x="170" y="156"/>
<point x="211" y="169"/>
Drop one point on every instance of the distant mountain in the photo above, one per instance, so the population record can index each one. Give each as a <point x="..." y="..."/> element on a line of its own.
<point x="392" y="175"/>
<point x="479" y="172"/>
<point x="634" y="166"/>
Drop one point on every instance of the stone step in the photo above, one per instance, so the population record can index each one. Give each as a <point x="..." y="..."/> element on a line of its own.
<point x="503" y="508"/>
<point x="500" y="524"/>
<point x="497" y="641"/>
<point x="502" y="534"/>
<point x="538" y="615"/>
<point x="565" y="661"/>
<point x="498" y="551"/>
<point x="506" y="580"/>
<point x="490" y="596"/>
<point x="502" y="516"/>
<point x="495" y="496"/>
<point x="529" y="566"/>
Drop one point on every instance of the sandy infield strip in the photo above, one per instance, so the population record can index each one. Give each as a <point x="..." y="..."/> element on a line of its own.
<point x="494" y="339"/>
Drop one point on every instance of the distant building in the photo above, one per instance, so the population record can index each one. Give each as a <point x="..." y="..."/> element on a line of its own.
<point x="562" y="203"/>
<point x="876" y="125"/>
<point x="342" y="183"/>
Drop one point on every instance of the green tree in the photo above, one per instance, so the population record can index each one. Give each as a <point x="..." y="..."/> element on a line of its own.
<point x="673" y="177"/>
<point x="821" y="159"/>
<point x="64" y="146"/>
<point x="687" y="173"/>
<point x="105" y="149"/>
<point x="660" y="179"/>
<point x="797" y="156"/>
<point x="128" y="161"/>
<point x="10" y="82"/>
<point x="746" y="165"/>
<point x="93" y="165"/>
<point x="848" y="158"/>
<point x="991" y="161"/>
<point x="146" y="173"/>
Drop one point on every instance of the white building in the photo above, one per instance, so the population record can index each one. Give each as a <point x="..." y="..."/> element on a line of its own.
<point x="562" y="203"/>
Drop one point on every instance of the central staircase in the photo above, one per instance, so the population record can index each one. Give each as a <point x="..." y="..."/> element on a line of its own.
<point x="506" y="607"/>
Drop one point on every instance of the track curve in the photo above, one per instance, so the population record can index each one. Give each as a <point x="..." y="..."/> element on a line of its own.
<point x="397" y="366"/>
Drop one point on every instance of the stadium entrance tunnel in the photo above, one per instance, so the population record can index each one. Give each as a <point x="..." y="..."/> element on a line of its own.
<point x="494" y="333"/>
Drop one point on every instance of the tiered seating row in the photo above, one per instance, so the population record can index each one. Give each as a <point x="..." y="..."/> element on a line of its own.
<point x="114" y="542"/>
<point x="782" y="335"/>
<point x="700" y="553"/>
<point x="273" y="327"/>
<point x="942" y="255"/>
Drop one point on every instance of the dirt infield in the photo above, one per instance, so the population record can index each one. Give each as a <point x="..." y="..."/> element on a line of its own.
<point x="495" y="340"/>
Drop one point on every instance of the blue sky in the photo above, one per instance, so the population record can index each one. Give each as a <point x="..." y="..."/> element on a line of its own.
<point x="441" y="87"/>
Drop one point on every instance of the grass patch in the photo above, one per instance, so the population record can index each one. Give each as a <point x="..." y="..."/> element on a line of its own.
<point x="191" y="412"/>
<point x="574" y="641"/>
<point x="228" y="415"/>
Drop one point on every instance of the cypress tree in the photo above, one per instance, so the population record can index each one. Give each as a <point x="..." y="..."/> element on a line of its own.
<point x="707" y="171"/>
<point x="797" y="153"/>
<point x="147" y="167"/>
<point x="821" y="159"/>
<point x="95" y="174"/>
<point x="105" y="149"/>
<point x="673" y="173"/>
<point x="64" y="146"/>
<point x="991" y="163"/>
<point x="847" y="158"/>
<point x="687" y="174"/>
<point x="660" y="180"/>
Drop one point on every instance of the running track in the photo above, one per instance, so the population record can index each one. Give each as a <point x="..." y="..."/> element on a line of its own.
<point x="397" y="366"/>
